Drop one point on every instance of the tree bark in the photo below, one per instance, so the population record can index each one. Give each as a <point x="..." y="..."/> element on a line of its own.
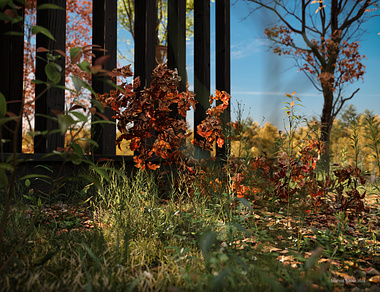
<point x="327" y="120"/>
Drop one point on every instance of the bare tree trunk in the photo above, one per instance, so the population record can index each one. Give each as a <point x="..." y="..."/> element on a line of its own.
<point x="327" y="120"/>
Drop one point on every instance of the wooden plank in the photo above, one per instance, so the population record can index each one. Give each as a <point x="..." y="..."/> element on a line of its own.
<point x="177" y="42"/>
<point x="104" y="34"/>
<point x="11" y="83"/>
<point x="151" y="39"/>
<point x="145" y="45"/>
<point x="201" y="65"/>
<point x="140" y="43"/>
<point x="177" y="38"/>
<point x="145" y="40"/>
<point x="223" y="59"/>
<point x="53" y="99"/>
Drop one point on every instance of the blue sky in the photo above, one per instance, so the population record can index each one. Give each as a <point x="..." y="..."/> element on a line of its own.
<point x="259" y="78"/>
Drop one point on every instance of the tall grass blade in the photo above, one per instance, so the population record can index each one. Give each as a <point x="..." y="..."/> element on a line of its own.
<point x="91" y="254"/>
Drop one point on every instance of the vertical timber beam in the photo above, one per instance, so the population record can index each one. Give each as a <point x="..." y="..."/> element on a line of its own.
<point x="145" y="40"/>
<point x="52" y="100"/>
<point x="177" y="39"/>
<point x="223" y="61"/>
<point x="151" y="39"/>
<point x="145" y="46"/>
<point x="11" y="82"/>
<point x="104" y="34"/>
<point x="177" y="42"/>
<point x="140" y="43"/>
<point x="201" y="65"/>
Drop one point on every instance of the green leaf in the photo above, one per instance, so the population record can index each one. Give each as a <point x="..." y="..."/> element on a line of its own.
<point x="80" y="116"/>
<point x="55" y="152"/>
<point x="3" y="3"/>
<point x="3" y="105"/>
<point x="219" y="280"/>
<point x="49" y="6"/>
<point x="103" y="122"/>
<point x="3" y="179"/>
<point x="6" y="166"/>
<point x="27" y="183"/>
<point x="52" y="72"/>
<point x="65" y="122"/>
<point x="5" y="17"/>
<point x="241" y="228"/>
<point x="91" y="253"/>
<point x="40" y="261"/>
<point x="125" y="247"/>
<point x="77" y="149"/>
<point x="53" y="58"/>
<point x="47" y="168"/>
<point x="15" y="33"/>
<point x="85" y="66"/>
<point x="312" y="260"/>
<point x="89" y="141"/>
<point x="95" y="181"/>
<point x="40" y="29"/>
<point x="46" y="117"/>
<point x="34" y="176"/>
<point x="97" y="103"/>
<point x="6" y="120"/>
<point x="74" y="52"/>
<point x="206" y="241"/>
<point x="245" y="202"/>
<point x="102" y="172"/>
<point x="39" y="82"/>
<point x="76" y="161"/>
<point x="78" y="83"/>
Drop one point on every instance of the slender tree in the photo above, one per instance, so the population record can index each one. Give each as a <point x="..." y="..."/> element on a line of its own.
<point x="126" y="19"/>
<point x="78" y="34"/>
<point x="322" y="36"/>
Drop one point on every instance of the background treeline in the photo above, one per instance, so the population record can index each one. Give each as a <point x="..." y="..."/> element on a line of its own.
<point x="355" y="139"/>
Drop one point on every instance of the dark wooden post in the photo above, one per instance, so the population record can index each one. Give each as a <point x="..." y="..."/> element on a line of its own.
<point x="223" y="59"/>
<point x="53" y="99"/>
<point x="151" y="39"/>
<point x="177" y="42"/>
<point x="145" y="40"/>
<point x="201" y="64"/>
<point x="145" y="45"/>
<point x="11" y="81"/>
<point x="104" y="34"/>
<point x="140" y="41"/>
<point x="177" y="38"/>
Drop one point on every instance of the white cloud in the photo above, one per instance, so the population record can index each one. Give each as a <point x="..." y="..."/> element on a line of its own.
<point x="247" y="47"/>
<point x="272" y="93"/>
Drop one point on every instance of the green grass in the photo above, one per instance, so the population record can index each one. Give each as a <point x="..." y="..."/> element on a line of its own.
<point x="130" y="238"/>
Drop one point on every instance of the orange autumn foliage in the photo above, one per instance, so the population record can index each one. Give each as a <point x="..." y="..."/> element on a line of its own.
<point x="140" y="113"/>
<point x="78" y="35"/>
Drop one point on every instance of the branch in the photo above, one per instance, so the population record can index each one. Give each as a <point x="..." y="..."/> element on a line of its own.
<point x="322" y="14"/>
<point x="278" y="15"/>
<point x="347" y="22"/>
<point x="306" y="40"/>
<point x="342" y="102"/>
<point x="308" y="75"/>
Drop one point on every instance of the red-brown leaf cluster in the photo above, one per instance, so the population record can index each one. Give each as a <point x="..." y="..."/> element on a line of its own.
<point x="333" y="60"/>
<point x="147" y="114"/>
<point x="211" y="127"/>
